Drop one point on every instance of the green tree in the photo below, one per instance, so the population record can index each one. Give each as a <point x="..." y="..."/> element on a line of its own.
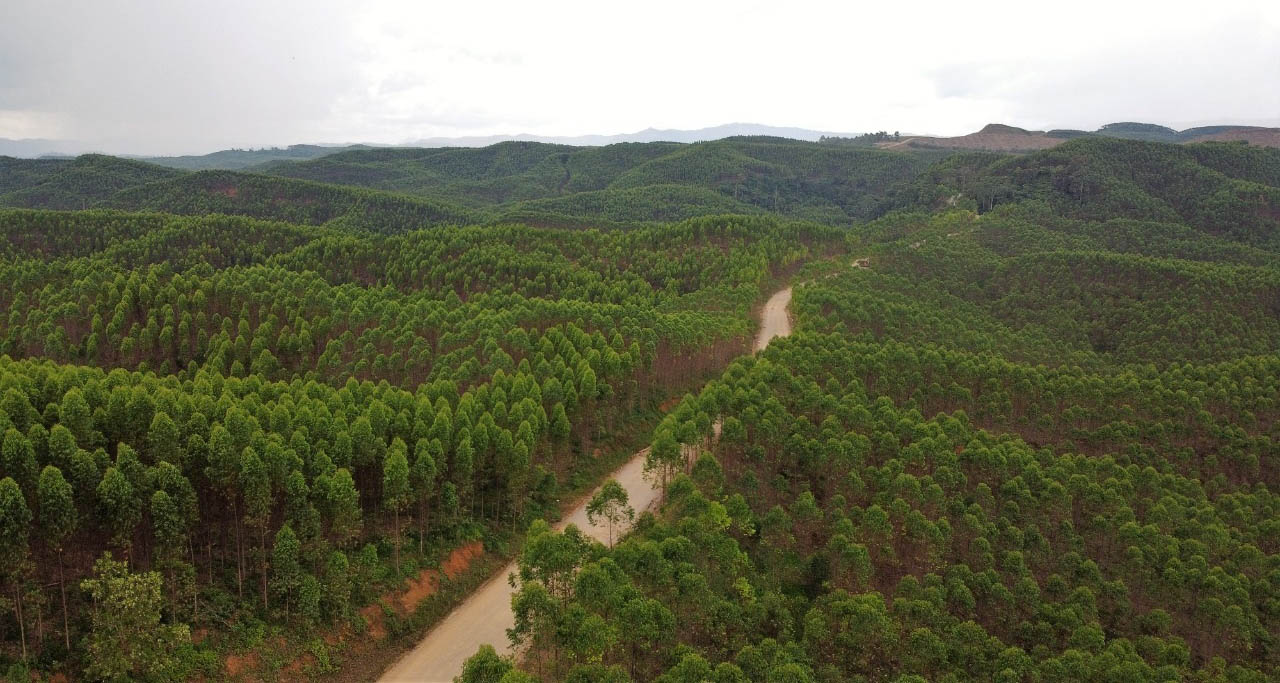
<point x="163" y="440"/>
<point x="343" y="503"/>
<point x="286" y="571"/>
<point x="15" y="521"/>
<point x="423" y="478"/>
<point x="610" y="504"/>
<point x="396" y="490"/>
<point x="485" y="666"/>
<point x="337" y="585"/>
<point x="258" y="504"/>
<point x="58" y="520"/>
<point x="127" y="639"/>
<point x="120" y="507"/>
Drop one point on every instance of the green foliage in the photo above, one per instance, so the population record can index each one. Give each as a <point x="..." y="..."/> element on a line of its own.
<point x="610" y="505"/>
<point x="1031" y="436"/>
<point x="1021" y="445"/>
<point x="127" y="640"/>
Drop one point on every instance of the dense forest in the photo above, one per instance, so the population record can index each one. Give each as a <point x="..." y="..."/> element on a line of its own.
<point x="1025" y="430"/>
<point x="1036" y="444"/>
<point x="399" y="189"/>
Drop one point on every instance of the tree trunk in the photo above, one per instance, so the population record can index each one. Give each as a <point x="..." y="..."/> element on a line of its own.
<point x="422" y="528"/>
<point x="22" y="627"/>
<point x="263" y="565"/>
<point x="40" y="624"/>
<point x="195" y="582"/>
<point x="239" y="554"/>
<point x="62" y="588"/>
<point x="396" y="546"/>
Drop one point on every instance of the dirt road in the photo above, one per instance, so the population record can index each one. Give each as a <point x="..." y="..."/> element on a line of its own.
<point x="485" y="616"/>
<point x="774" y="319"/>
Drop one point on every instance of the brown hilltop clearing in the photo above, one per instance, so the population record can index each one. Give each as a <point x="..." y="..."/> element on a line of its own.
<point x="1263" y="137"/>
<point x="993" y="137"/>
<point x="996" y="137"/>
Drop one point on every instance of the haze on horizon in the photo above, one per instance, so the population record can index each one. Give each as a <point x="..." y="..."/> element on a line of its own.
<point x="175" y="77"/>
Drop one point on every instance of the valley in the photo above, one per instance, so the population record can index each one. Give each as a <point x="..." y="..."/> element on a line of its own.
<point x="287" y="423"/>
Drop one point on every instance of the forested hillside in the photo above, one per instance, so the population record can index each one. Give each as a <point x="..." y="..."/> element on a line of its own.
<point x="398" y="189"/>
<point x="1227" y="189"/>
<point x="802" y="179"/>
<point x="1036" y="444"/>
<point x="72" y="184"/>
<point x="1026" y="429"/>
<point x="285" y="420"/>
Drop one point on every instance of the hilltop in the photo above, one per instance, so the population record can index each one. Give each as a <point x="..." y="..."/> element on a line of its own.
<point x="997" y="137"/>
<point x="626" y="183"/>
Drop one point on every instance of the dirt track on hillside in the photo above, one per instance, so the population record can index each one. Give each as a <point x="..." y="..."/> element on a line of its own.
<point x="485" y="615"/>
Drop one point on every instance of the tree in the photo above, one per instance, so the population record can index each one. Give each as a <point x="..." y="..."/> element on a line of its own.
<point x="15" y="520"/>
<point x="485" y="666"/>
<point x="57" y="522"/>
<point x="337" y="585"/>
<point x="127" y="640"/>
<point x="74" y="414"/>
<point x="423" y="478"/>
<point x="18" y="458"/>
<point x="256" y="484"/>
<point x="464" y="468"/>
<point x="396" y="491"/>
<point x="560" y="426"/>
<point x="663" y="459"/>
<point x="610" y="504"/>
<point x="286" y="572"/>
<point x="171" y="539"/>
<point x="163" y="440"/>
<point x="343" y="502"/>
<point x="120" y="506"/>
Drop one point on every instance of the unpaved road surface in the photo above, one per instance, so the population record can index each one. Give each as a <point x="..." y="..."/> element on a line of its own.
<point x="485" y="615"/>
<point x="774" y="320"/>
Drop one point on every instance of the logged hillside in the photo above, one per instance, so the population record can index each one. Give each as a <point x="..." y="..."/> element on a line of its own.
<point x="997" y="137"/>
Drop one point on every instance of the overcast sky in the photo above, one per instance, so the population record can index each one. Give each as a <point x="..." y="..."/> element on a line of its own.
<point x="172" y="76"/>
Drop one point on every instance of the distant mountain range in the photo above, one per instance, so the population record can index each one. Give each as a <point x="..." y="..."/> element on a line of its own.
<point x="993" y="137"/>
<point x="647" y="135"/>
<point x="232" y="159"/>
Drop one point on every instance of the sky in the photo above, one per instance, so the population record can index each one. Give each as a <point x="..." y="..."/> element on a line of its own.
<point x="177" y="76"/>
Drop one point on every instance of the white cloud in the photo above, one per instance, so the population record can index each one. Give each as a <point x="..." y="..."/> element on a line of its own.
<point x="192" y="76"/>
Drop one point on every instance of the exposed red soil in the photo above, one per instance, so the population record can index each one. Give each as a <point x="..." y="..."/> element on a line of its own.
<point x="237" y="665"/>
<point x="460" y="560"/>
<point x="296" y="670"/>
<point x="421" y="587"/>
<point x="1002" y="141"/>
<point x="373" y="617"/>
<point x="229" y="191"/>
<point x="999" y="138"/>
<point x="428" y="580"/>
<point x="1263" y="137"/>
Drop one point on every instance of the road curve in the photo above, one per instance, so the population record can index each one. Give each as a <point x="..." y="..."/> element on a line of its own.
<point x="485" y="615"/>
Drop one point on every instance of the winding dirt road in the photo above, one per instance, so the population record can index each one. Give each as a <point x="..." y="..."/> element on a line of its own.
<point x="485" y="616"/>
